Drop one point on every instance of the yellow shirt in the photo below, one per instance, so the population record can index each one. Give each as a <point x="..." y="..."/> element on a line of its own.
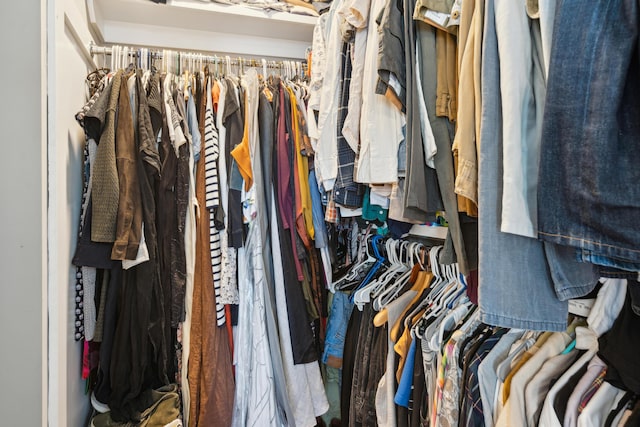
<point x="303" y="169"/>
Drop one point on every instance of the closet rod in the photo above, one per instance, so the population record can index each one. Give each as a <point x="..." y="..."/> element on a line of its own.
<point x="156" y="53"/>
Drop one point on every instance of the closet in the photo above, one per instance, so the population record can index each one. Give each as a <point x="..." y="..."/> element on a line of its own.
<point x="73" y="27"/>
<point x="440" y="307"/>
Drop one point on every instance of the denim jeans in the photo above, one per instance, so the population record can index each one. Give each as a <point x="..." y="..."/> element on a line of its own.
<point x="571" y="278"/>
<point x="515" y="284"/>
<point x="589" y="196"/>
<point x="339" y="316"/>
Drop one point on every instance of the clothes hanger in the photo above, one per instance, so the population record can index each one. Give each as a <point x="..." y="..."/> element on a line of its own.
<point x="436" y="285"/>
<point x="365" y="271"/>
<point x="380" y="261"/>
<point x="394" y="250"/>
<point x="392" y="291"/>
<point x="358" y="269"/>
<point x="450" y="320"/>
<point x="385" y="295"/>
<point x="113" y="57"/>
<point x="228" y="61"/>
<point x="363" y="295"/>
<point x="405" y="273"/>
<point x="439" y="303"/>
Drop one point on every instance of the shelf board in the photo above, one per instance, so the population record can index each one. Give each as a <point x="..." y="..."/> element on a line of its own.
<point x="201" y="26"/>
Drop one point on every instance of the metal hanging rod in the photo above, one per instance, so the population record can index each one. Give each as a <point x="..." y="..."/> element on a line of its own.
<point x="186" y="56"/>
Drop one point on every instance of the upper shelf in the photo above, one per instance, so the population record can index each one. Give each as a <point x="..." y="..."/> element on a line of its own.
<point x="201" y="26"/>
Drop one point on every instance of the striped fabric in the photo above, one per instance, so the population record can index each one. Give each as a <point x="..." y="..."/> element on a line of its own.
<point x="212" y="200"/>
<point x="593" y="388"/>
<point x="211" y="151"/>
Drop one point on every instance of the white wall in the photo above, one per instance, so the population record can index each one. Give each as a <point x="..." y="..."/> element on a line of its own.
<point x="68" y="66"/>
<point x="22" y="216"/>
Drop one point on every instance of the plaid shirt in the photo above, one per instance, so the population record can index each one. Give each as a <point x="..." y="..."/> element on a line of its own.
<point x="471" y="408"/>
<point x="345" y="191"/>
<point x="331" y="210"/>
<point x="593" y="388"/>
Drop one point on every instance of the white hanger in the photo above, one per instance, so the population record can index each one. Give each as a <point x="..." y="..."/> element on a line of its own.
<point x="448" y="293"/>
<point x="367" y="261"/>
<point x="264" y="68"/>
<point x="436" y="285"/>
<point x="396" y="254"/>
<point x="362" y="295"/>
<point x="228" y="61"/>
<point x="393" y="291"/>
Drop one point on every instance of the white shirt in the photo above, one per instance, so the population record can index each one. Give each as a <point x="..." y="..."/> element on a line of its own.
<point x="598" y="408"/>
<point x="523" y="92"/>
<point x="514" y="412"/>
<point x="380" y="121"/>
<point x="326" y="160"/>
<point x="356" y="14"/>
<point x="603" y="313"/>
<point x="318" y="61"/>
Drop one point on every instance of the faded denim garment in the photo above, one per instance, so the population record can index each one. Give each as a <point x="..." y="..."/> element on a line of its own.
<point x="571" y="277"/>
<point x="341" y="309"/>
<point x="515" y="286"/>
<point x="589" y="196"/>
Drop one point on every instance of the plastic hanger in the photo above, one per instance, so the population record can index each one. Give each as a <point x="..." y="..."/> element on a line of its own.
<point x="391" y="292"/>
<point x="355" y="270"/>
<point x="398" y="275"/>
<point x="362" y="295"/>
<point x="397" y="251"/>
<point x="438" y="285"/>
<point x="461" y="291"/>
<point x="380" y="261"/>
<point x="359" y="271"/>
<point x="439" y="303"/>
<point x="228" y="62"/>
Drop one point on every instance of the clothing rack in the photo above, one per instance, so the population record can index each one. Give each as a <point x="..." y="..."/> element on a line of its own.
<point x="180" y="60"/>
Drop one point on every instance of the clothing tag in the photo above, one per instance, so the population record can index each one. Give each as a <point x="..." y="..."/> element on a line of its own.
<point x="395" y="84"/>
<point x="581" y="307"/>
<point x="438" y="18"/>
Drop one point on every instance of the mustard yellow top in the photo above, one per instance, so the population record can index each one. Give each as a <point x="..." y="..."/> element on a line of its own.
<point x="241" y="153"/>
<point x="303" y="169"/>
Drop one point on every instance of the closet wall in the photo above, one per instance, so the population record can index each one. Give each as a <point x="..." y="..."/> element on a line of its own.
<point x="68" y="64"/>
<point x="22" y="214"/>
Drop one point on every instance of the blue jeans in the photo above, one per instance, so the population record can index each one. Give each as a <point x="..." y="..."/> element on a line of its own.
<point x="339" y="316"/>
<point x="589" y="197"/>
<point x="515" y="285"/>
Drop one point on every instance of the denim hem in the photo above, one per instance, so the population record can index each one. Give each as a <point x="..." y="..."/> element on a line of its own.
<point x="508" y="322"/>
<point x="603" y="261"/>
<point x="568" y="293"/>
<point x="337" y="353"/>
<point x="618" y="274"/>
<point x="599" y="249"/>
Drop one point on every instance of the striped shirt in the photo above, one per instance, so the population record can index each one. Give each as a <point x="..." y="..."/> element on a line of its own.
<point x="212" y="200"/>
